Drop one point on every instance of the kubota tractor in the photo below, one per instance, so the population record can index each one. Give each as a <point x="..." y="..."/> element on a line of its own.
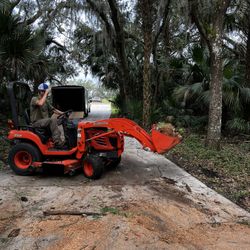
<point x="92" y="145"/>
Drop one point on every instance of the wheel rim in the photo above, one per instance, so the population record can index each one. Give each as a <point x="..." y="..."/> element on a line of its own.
<point x="88" y="168"/>
<point x="23" y="159"/>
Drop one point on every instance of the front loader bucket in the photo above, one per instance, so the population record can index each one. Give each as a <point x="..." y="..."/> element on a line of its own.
<point x="162" y="142"/>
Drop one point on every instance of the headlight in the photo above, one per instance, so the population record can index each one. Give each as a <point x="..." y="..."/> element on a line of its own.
<point x="79" y="135"/>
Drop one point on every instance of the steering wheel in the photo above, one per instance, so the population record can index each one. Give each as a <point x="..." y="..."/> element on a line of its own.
<point x="65" y="114"/>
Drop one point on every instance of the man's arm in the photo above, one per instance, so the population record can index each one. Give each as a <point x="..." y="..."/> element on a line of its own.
<point x="57" y="112"/>
<point x="41" y="101"/>
<point x="54" y="110"/>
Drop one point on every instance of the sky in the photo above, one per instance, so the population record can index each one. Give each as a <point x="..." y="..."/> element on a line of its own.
<point x="89" y="76"/>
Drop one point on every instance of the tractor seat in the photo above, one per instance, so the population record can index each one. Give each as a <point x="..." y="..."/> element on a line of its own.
<point x="43" y="133"/>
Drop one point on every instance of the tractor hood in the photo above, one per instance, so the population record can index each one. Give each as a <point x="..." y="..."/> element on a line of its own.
<point x="69" y="97"/>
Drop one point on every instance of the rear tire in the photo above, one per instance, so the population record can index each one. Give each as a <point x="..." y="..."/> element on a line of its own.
<point x="21" y="157"/>
<point x="93" y="167"/>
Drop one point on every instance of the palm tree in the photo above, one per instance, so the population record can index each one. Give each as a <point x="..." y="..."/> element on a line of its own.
<point x="210" y="23"/>
<point x="19" y="46"/>
<point x="196" y="94"/>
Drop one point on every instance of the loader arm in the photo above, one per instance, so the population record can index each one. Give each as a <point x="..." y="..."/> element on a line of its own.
<point x="156" y="142"/>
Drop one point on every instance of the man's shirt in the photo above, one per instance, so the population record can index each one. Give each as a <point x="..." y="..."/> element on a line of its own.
<point x="39" y="112"/>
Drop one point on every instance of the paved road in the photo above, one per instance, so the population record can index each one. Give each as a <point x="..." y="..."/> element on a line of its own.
<point x="150" y="203"/>
<point x="99" y="111"/>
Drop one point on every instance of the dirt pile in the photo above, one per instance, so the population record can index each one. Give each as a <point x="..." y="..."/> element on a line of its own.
<point x="161" y="217"/>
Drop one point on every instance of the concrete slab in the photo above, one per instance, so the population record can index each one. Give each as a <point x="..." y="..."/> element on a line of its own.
<point x="196" y="190"/>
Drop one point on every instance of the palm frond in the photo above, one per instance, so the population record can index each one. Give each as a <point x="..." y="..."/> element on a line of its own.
<point x="204" y="98"/>
<point x="232" y="100"/>
<point x="180" y="92"/>
<point x="238" y="125"/>
<point x="4" y="5"/>
<point x="245" y="94"/>
<point x="197" y="88"/>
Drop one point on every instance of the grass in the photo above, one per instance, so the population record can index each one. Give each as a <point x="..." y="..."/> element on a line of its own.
<point x="105" y="101"/>
<point x="232" y="158"/>
<point x="114" y="111"/>
<point x="110" y="210"/>
<point x="115" y="211"/>
<point x="227" y="171"/>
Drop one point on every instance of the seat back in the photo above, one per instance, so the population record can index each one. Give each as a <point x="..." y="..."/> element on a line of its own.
<point x="43" y="133"/>
<point x="27" y="116"/>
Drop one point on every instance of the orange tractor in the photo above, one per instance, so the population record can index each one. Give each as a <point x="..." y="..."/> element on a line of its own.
<point x="92" y="145"/>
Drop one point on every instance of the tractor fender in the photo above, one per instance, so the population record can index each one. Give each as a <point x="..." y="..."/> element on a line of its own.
<point x="27" y="136"/>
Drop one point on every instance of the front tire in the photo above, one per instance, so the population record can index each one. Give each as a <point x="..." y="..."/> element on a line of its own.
<point x="114" y="164"/>
<point x="93" y="167"/>
<point x="21" y="157"/>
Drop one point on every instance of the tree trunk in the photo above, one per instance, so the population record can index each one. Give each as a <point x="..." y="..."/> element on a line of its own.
<point x="166" y="36"/>
<point x="116" y="35"/>
<point x="247" y="74"/>
<point x="163" y="24"/>
<point x="120" y="49"/>
<point x="124" y="98"/>
<point x="213" y="38"/>
<point x="147" y="35"/>
<point x="215" y="106"/>
<point x="156" y="77"/>
<point x="166" y="39"/>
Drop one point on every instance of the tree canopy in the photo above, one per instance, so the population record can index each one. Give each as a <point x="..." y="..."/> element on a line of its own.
<point x="188" y="60"/>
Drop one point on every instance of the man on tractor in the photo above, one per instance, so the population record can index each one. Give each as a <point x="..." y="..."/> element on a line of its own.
<point x="39" y="115"/>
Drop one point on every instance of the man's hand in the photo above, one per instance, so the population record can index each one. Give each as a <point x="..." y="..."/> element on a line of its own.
<point x="42" y="100"/>
<point x="47" y="91"/>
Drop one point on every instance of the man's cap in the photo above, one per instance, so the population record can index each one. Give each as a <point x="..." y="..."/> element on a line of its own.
<point x="43" y="86"/>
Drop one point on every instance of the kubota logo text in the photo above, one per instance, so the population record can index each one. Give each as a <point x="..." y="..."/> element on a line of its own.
<point x="17" y="135"/>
